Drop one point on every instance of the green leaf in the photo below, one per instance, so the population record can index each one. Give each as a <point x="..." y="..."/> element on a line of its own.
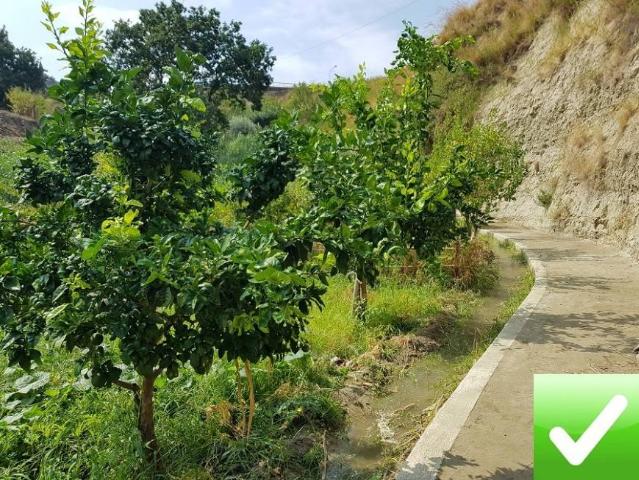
<point x="197" y="104"/>
<point x="12" y="284"/>
<point x="55" y="312"/>
<point x="130" y="216"/>
<point x="93" y="249"/>
<point x="31" y="383"/>
<point x="184" y="60"/>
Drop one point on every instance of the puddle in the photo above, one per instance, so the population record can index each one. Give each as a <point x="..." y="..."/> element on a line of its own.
<point x="390" y="421"/>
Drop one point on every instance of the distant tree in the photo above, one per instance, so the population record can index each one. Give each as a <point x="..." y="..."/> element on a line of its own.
<point x="234" y="69"/>
<point x="19" y="67"/>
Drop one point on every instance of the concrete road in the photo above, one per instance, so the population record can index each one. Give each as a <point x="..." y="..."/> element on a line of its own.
<point x="581" y="317"/>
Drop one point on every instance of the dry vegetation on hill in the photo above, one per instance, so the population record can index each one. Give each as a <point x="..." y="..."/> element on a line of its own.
<point x="563" y="77"/>
<point x="505" y="29"/>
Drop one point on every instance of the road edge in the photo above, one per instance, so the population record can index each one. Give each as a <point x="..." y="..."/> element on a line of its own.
<point x="425" y="459"/>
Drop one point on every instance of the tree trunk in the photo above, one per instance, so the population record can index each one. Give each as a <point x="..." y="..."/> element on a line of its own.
<point x="240" y="398"/>
<point x="357" y="296"/>
<point x="249" y="377"/>
<point x="363" y="296"/>
<point x="146" y="422"/>
<point x="360" y="298"/>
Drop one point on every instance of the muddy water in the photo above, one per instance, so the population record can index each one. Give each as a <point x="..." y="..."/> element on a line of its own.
<point x="388" y="422"/>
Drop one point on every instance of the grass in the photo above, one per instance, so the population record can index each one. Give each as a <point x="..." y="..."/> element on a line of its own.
<point x="503" y="29"/>
<point x="584" y="154"/>
<point x="395" y="306"/>
<point x="10" y="151"/>
<point x="463" y="344"/>
<point x="626" y="111"/>
<point x="544" y="198"/>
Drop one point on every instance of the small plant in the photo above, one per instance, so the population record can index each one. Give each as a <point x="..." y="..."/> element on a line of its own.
<point x="544" y="198"/>
<point x="470" y="265"/>
<point x="241" y="125"/>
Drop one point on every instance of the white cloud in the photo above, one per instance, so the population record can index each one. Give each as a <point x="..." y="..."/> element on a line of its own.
<point x="107" y="16"/>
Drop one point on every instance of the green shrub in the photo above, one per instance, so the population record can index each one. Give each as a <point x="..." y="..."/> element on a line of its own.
<point x="544" y="198"/>
<point x="10" y="152"/>
<point x="296" y="199"/>
<point x="241" y="125"/>
<point x="235" y="149"/>
<point x="267" y="114"/>
<point x="303" y="100"/>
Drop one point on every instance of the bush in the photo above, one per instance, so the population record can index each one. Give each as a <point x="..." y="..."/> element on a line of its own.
<point x="303" y="100"/>
<point x="235" y="149"/>
<point x="30" y="104"/>
<point x="470" y="265"/>
<point x="296" y="199"/>
<point x="544" y="198"/>
<point x="240" y="125"/>
<point x="267" y="115"/>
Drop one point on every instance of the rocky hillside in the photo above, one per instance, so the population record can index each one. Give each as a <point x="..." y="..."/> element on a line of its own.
<point x="567" y="86"/>
<point x="12" y="125"/>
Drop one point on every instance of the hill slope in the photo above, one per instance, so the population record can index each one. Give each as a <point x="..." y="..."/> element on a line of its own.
<point x="12" y="125"/>
<point x="569" y="91"/>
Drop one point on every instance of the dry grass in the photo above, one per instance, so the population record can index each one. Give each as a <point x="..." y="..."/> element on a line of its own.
<point x="624" y="221"/>
<point x="504" y="29"/>
<point x="585" y="155"/>
<point x="569" y="34"/>
<point x="560" y="215"/>
<point x="626" y="111"/>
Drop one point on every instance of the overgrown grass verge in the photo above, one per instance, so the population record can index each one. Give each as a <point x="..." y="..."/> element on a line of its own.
<point x="464" y="344"/>
<point x="10" y="151"/>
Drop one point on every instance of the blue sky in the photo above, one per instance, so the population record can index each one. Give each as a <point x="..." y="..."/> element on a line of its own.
<point x="312" y="39"/>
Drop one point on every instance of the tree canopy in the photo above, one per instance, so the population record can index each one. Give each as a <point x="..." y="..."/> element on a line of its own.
<point x="122" y="258"/>
<point x="19" y="67"/>
<point x="233" y="68"/>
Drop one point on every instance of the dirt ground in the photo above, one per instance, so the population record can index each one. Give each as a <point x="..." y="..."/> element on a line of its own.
<point x="12" y="125"/>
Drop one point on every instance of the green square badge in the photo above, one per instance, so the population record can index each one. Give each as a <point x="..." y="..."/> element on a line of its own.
<point x="586" y="427"/>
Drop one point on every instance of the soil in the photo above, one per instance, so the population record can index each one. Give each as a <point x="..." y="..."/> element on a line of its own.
<point x="12" y="125"/>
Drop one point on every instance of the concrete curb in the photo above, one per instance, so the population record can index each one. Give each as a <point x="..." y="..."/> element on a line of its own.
<point x="425" y="460"/>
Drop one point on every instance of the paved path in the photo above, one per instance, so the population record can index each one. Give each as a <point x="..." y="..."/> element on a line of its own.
<point x="581" y="317"/>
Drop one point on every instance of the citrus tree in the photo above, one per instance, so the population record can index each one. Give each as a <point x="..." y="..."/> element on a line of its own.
<point x="378" y="186"/>
<point x="368" y="165"/>
<point x="121" y="258"/>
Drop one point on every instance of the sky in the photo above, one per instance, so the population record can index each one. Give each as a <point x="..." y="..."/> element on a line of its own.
<point x="313" y="40"/>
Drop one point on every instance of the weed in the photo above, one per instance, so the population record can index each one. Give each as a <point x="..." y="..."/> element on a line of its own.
<point x="470" y="265"/>
<point x="30" y="104"/>
<point x="10" y="151"/>
<point x="544" y="198"/>
<point x="584" y="153"/>
<point x="233" y="149"/>
<point x="626" y="111"/>
<point x="241" y="125"/>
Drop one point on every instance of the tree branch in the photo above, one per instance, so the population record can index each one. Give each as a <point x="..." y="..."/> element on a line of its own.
<point x="127" y="386"/>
